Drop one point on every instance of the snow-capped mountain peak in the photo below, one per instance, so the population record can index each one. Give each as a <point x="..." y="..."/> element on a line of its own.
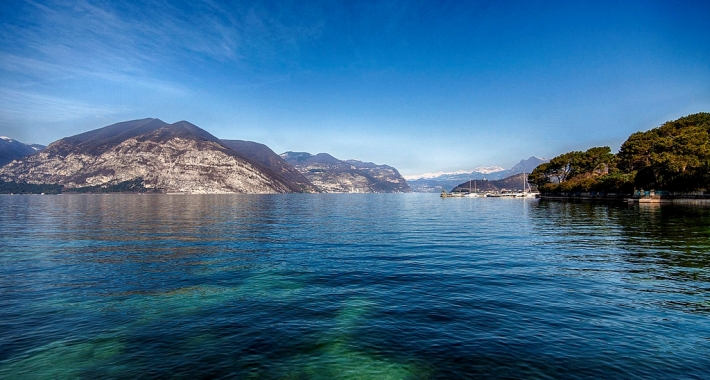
<point x="476" y="170"/>
<point x="435" y="182"/>
<point x="487" y="169"/>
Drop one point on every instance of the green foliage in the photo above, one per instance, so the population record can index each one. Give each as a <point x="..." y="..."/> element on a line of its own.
<point x="672" y="157"/>
<point x="539" y="176"/>
<point x="574" y="171"/>
<point x="27" y="188"/>
<point x="135" y="185"/>
<point x="594" y="160"/>
<point x="617" y="182"/>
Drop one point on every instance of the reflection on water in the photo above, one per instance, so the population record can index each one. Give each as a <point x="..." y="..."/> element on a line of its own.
<point x="350" y="286"/>
<point x="662" y="249"/>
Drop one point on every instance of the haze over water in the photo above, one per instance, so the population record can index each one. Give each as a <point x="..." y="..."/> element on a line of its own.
<point x="351" y="286"/>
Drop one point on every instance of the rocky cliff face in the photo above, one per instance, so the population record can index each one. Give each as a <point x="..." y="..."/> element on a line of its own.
<point x="266" y="157"/>
<point x="177" y="157"/>
<point x="331" y="175"/>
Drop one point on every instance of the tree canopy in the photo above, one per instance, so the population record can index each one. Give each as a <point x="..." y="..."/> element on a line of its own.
<point x="673" y="157"/>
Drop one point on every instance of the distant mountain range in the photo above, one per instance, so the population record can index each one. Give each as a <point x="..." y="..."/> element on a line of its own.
<point x="332" y="175"/>
<point x="149" y="155"/>
<point x="12" y="149"/>
<point x="436" y="182"/>
<point x="152" y="156"/>
<point x="481" y="170"/>
<point x="515" y="182"/>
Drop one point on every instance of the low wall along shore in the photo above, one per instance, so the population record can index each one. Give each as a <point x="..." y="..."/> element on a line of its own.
<point x="643" y="197"/>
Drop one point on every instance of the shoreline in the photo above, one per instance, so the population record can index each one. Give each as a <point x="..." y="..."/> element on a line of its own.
<point x="632" y="200"/>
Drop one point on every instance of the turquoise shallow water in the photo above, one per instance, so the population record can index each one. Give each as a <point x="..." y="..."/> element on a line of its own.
<point x="352" y="287"/>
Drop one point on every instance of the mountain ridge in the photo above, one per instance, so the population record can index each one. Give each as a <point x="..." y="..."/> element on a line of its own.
<point x="11" y="149"/>
<point x="479" y="170"/>
<point x="332" y="175"/>
<point x="178" y="157"/>
<point x="448" y="180"/>
<point x="267" y="157"/>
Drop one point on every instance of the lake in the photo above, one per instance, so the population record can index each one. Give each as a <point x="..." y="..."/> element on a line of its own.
<point x="351" y="286"/>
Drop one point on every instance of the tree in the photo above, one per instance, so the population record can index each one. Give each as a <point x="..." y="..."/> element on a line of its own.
<point x="574" y="171"/>
<point x="595" y="160"/>
<point x="539" y="176"/>
<point x="674" y="156"/>
<point x="563" y="166"/>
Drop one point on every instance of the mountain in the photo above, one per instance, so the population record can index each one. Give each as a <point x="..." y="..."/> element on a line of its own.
<point x="387" y="178"/>
<point x="512" y="183"/>
<point x="436" y="182"/>
<point x="12" y="149"/>
<point x="479" y="171"/>
<point x="147" y="155"/>
<point x="527" y="166"/>
<point x="332" y="175"/>
<point x="266" y="157"/>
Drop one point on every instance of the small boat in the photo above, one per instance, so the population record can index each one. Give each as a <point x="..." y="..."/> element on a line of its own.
<point x="444" y="194"/>
<point x="471" y="194"/>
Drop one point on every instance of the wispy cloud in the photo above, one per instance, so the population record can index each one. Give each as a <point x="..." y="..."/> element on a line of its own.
<point x="34" y="107"/>
<point x="139" y="37"/>
<point x="30" y="72"/>
<point x="157" y="47"/>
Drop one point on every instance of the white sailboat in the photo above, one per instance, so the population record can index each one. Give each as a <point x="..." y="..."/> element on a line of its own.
<point x="525" y="193"/>
<point x="471" y="194"/>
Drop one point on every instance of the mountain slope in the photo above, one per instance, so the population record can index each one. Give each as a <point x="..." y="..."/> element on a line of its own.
<point x="526" y="166"/>
<point x="387" y="179"/>
<point x="332" y="175"/>
<point x="178" y="157"/>
<point x="12" y="149"/>
<point x="268" y="158"/>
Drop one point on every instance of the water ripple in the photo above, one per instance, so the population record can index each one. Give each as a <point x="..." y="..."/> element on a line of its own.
<point x="351" y="286"/>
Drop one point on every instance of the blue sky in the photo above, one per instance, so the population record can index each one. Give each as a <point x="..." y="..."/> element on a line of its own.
<point x="424" y="86"/>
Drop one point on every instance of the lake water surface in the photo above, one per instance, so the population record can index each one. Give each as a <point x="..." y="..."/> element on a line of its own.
<point x="351" y="286"/>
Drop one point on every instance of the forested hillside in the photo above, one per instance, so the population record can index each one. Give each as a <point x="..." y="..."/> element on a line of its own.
<point x="672" y="157"/>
